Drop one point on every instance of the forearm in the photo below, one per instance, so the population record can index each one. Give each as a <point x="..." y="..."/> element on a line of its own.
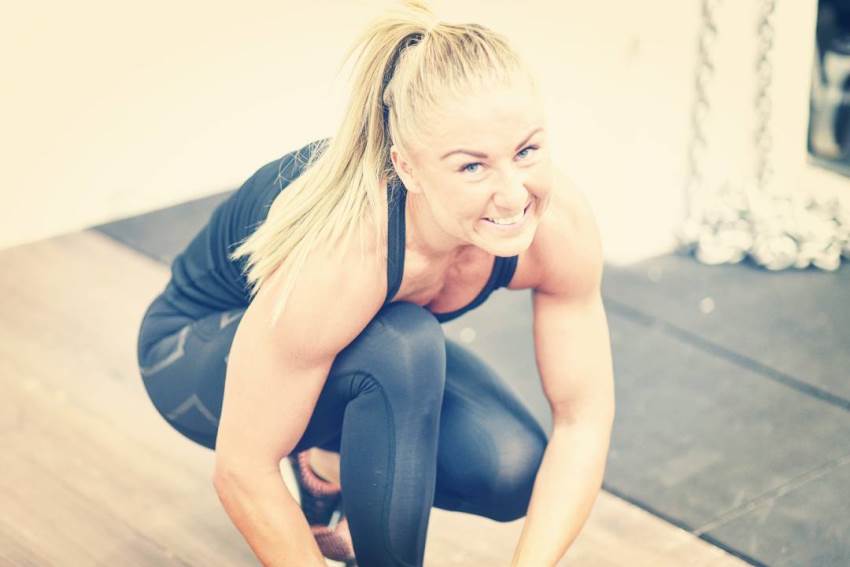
<point x="269" y="519"/>
<point x="565" y="489"/>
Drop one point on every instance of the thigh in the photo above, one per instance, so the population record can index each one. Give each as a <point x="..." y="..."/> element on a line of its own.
<point x="489" y="439"/>
<point x="184" y="370"/>
<point x="184" y="363"/>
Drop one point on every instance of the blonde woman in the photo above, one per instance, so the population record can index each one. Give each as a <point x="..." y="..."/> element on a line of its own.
<point x="303" y="321"/>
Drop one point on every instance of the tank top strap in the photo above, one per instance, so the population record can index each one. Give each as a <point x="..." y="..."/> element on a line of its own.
<point x="505" y="267"/>
<point x="396" y="195"/>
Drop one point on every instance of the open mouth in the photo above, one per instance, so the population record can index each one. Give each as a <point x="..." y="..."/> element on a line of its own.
<point x="510" y="221"/>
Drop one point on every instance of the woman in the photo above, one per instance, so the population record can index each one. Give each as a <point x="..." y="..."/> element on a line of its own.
<point x="304" y="319"/>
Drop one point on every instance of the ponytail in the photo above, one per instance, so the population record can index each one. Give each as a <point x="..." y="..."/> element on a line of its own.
<point x="401" y="59"/>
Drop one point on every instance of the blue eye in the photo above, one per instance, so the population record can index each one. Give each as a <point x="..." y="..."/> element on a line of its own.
<point x="527" y="148"/>
<point x="522" y="154"/>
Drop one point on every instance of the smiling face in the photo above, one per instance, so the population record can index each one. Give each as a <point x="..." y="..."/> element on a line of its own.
<point x="480" y="174"/>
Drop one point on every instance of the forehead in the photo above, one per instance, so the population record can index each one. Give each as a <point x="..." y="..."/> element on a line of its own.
<point x="484" y="118"/>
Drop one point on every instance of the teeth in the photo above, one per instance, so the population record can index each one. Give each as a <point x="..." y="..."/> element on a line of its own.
<point x="509" y="220"/>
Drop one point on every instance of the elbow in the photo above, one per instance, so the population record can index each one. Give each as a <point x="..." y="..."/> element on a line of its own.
<point x="228" y="476"/>
<point x="230" y="488"/>
<point x="223" y="478"/>
<point x="599" y="416"/>
<point x="607" y="414"/>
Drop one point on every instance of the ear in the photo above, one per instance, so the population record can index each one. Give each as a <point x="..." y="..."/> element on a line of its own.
<point x="404" y="169"/>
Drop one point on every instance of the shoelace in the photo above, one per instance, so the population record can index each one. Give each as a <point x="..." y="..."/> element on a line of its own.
<point x="321" y="502"/>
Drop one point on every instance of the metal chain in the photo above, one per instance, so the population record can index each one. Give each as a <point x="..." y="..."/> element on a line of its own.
<point x="697" y="144"/>
<point x="727" y="223"/>
<point x="763" y="102"/>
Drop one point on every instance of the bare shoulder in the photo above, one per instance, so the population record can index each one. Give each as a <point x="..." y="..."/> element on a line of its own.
<point x="567" y="251"/>
<point x="335" y="295"/>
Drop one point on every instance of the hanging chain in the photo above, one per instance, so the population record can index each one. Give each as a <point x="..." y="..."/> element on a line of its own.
<point x="697" y="144"/>
<point x="725" y="224"/>
<point x="763" y="102"/>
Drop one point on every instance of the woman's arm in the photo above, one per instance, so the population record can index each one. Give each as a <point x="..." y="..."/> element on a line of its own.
<point x="573" y="352"/>
<point x="575" y="365"/>
<point x="269" y="518"/>
<point x="274" y="378"/>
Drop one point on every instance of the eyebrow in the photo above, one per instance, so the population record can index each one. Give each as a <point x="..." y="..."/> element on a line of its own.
<point x="482" y="155"/>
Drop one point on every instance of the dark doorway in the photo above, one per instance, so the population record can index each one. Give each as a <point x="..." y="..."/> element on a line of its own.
<point x="829" y="118"/>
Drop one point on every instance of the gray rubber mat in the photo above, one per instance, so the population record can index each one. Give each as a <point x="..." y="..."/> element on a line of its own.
<point x="708" y="437"/>
<point x="732" y="388"/>
<point x="162" y="233"/>
<point x="794" y="324"/>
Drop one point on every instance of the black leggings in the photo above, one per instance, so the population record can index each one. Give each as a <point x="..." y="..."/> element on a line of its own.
<point x="418" y="421"/>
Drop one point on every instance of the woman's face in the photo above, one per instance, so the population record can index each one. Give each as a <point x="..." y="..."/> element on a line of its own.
<point x="484" y="159"/>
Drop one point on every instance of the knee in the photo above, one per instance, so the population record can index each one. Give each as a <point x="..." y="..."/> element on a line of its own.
<point x="413" y="328"/>
<point x="415" y="348"/>
<point x="403" y="348"/>
<point x="509" y="489"/>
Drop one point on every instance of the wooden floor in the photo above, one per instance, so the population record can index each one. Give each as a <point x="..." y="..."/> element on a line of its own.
<point x="92" y="475"/>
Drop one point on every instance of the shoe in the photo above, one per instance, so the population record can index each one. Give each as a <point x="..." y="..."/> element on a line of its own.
<point x="321" y="502"/>
<point x="334" y="540"/>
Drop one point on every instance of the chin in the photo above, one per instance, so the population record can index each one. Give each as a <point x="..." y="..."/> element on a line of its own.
<point x="508" y="249"/>
<point x="509" y="245"/>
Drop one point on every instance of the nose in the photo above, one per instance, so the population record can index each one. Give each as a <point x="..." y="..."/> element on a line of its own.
<point x="511" y="196"/>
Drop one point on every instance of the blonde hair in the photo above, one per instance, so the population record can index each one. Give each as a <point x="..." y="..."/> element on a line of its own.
<point x="406" y="63"/>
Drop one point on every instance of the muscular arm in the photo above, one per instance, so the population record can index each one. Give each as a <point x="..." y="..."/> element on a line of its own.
<point x="269" y="518"/>
<point x="572" y="347"/>
<point x="575" y="365"/>
<point x="274" y="378"/>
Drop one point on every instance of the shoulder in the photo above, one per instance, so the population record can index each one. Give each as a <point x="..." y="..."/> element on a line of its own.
<point x="567" y="249"/>
<point x="335" y="293"/>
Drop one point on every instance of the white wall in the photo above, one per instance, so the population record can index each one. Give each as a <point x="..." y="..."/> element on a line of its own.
<point x="111" y="109"/>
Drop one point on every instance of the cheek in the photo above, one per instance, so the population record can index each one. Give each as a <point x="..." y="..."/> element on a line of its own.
<point x="543" y="194"/>
<point x="540" y="189"/>
<point x="474" y="213"/>
<point x="542" y="174"/>
<point x="542" y="179"/>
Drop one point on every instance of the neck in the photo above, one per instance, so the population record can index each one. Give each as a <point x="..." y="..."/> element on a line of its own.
<point x="425" y="237"/>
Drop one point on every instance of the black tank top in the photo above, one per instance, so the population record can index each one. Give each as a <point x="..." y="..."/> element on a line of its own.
<point x="204" y="279"/>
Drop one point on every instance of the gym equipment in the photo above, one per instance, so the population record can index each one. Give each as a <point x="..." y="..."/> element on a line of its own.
<point x="777" y="227"/>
